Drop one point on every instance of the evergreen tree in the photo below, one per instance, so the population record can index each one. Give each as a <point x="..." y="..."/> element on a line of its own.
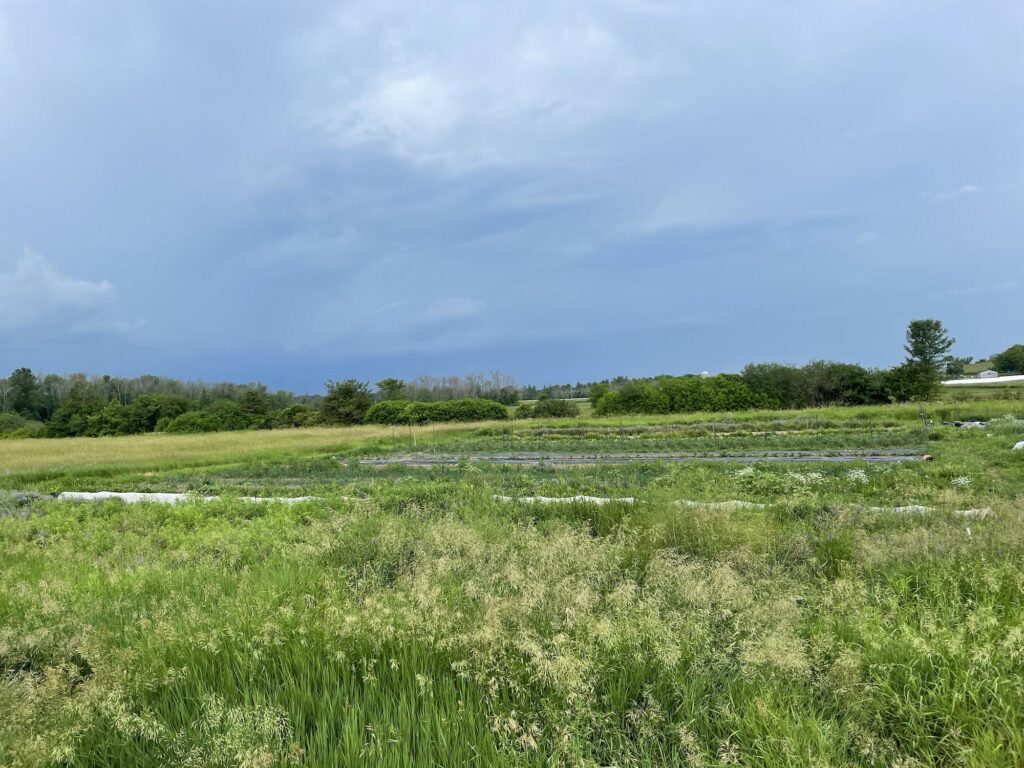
<point x="346" y="402"/>
<point x="25" y="396"/>
<point x="928" y="341"/>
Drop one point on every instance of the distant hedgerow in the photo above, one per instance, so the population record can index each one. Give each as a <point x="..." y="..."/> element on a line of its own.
<point x="408" y="412"/>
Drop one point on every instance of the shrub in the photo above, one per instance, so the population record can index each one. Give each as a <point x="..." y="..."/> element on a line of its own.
<point x="226" y="415"/>
<point x="819" y="383"/>
<point x="9" y="422"/>
<point x="406" y="412"/>
<point x="346" y="402"/>
<point x="474" y="410"/>
<point x="546" y="408"/>
<point x="189" y="422"/>
<point x="1010" y="360"/>
<point x="14" y="426"/>
<point x="389" y="412"/>
<point x="143" y="414"/>
<point x="634" y="397"/>
<point x="298" y="415"/>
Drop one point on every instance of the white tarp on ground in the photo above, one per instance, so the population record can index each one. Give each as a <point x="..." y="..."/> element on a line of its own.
<point x="733" y="504"/>
<point x="598" y="500"/>
<point x="729" y="504"/>
<point x="167" y="498"/>
<point x="982" y="512"/>
<point x="982" y="382"/>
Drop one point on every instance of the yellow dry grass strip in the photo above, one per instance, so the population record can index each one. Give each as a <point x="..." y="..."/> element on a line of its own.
<point x="168" y="451"/>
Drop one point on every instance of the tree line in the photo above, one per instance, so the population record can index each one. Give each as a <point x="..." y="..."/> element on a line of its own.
<point x="77" y="405"/>
<point x="74" y="405"/>
<point x="776" y="385"/>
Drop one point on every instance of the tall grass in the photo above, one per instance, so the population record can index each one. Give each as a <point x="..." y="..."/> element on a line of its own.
<point x="412" y="619"/>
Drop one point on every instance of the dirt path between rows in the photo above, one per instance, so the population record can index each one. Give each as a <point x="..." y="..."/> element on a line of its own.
<point x="879" y="455"/>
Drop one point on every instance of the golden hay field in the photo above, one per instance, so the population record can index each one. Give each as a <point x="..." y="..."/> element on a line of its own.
<point x="165" y="451"/>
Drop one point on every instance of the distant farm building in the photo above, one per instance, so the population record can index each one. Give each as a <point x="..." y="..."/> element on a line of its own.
<point x="988" y="374"/>
<point x="973" y="369"/>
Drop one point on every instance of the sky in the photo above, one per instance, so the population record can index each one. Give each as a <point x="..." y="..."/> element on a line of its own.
<point x="292" y="192"/>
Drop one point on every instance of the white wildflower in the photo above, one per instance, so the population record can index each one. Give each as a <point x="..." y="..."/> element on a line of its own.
<point x="857" y="475"/>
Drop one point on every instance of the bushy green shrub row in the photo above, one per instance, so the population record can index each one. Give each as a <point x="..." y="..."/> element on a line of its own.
<point x="548" y="408"/>
<point x="13" y="425"/>
<point x="823" y="383"/>
<point x="678" y="394"/>
<point x="767" y="385"/>
<point x="409" y="412"/>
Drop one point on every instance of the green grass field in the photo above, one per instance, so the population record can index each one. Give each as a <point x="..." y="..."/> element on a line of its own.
<point x="407" y="617"/>
<point x="1013" y="390"/>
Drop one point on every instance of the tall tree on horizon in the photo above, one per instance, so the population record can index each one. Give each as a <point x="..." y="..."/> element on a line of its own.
<point x="346" y="402"/>
<point x="25" y="396"/>
<point x="391" y="389"/>
<point x="927" y="343"/>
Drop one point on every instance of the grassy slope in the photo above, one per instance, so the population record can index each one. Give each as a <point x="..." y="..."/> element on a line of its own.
<point x="28" y="462"/>
<point x="427" y="624"/>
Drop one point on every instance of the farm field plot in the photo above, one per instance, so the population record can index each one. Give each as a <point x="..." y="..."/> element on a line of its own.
<point x="1013" y="390"/>
<point x="847" y="614"/>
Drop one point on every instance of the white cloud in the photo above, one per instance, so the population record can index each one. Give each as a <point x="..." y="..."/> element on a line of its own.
<point x="693" y="209"/>
<point x="36" y="295"/>
<point x="407" y="110"/>
<point x="964" y="191"/>
<point x="453" y="308"/>
<point x="979" y="290"/>
<point x="484" y="87"/>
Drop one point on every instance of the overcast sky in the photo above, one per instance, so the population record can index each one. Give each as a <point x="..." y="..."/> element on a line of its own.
<point x="297" y="191"/>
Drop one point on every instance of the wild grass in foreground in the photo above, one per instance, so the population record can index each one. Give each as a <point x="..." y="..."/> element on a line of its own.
<point x="80" y="463"/>
<point x="422" y="622"/>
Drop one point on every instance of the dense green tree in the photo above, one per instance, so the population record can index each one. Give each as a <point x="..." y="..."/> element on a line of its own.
<point x="391" y="389"/>
<point x="819" y="383"/>
<point x="346" y="402"/>
<point x="634" y="397"/>
<point x="413" y="412"/>
<point x="716" y="393"/>
<point x="389" y="412"/>
<point x="297" y="415"/>
<point x="927" y="343"/>
<point x="781" y="386"/>
<point x="109" y="420"/>
<point x="1010" y="360"/>
<point x="548" y="408"/>
<point x="25" y="396"/>
<point x="597" y="391"/>
<point x="11" y="422"/>
<point x="72" y="416"/>
<point x="906" y="382"/>
<point x="189" y="422"/>
<point x="226" y="415"/>
<point x="954" y="367"/>
<point x="143" y="414"/>
<point x="53" y="390"/>
<point x="256" y="406"/>
<point x="503" y="395"/>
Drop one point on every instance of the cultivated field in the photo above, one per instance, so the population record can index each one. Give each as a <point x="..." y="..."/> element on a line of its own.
<point x="762" y="614"/>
